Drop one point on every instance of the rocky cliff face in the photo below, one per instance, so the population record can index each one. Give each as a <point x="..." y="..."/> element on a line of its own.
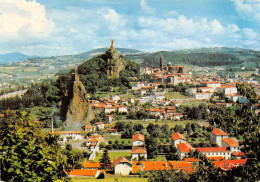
<point x="79" y="111"/>
<point x="115" y="62"/>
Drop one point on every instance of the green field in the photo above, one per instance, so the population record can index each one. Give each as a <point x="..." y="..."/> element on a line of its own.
<point x="110" y="179"/>
<point x="245" y="73"/>
<point x="175" y="95"/>
<point x="171" y="123"/>
<point x="113" y="155"/>
<point x="113" y="138"/>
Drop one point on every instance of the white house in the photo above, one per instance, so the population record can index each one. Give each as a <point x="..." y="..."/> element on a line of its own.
<point x="138" y="140"/>
<point x="115" y="98"/>
<point x="122" y="166"/>
<point x="228" y="89"/>
<point x="177" y="116"/>
<point x="216" y="136"/>
<point x="99" y="125"/>
<point x="232" y="143"/>
<point x="192" y="91"/>
<point x="122" y="108"/>
<point x="202" y="95"/>
<point x="138" y="152"/>
<point x="89" y="128"/>
<point x="142" y="91"/>
<point x="206" y="89"/>
<point x="177" y="138"/>
<point x="213" y="84"/>
<point x="234" y="97"/>
<point x="131" y="100"/>
<point x="109" y="118"/>
<point x="183" y="149"/>
<point x="68" y="135"/>
<point x="215" y="152"/>
<point x="109" y="109"/>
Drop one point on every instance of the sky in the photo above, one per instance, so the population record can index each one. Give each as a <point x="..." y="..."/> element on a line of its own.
<point x="63" y="27"/>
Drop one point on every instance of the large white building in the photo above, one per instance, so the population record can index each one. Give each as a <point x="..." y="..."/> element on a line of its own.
<point x="215" y="152"/>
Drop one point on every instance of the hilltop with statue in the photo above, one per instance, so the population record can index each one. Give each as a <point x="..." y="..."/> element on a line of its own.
<point x="96" y="74"/>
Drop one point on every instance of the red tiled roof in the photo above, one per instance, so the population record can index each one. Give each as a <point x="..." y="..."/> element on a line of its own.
<point x="83" y="172"/>
<point x="192" y="160"/>
<point x="91" y="165"/>
<point x="88" y="126"/>
<point x="184" y="147"/>
<point x="217" y="131"/>
<point x="138" y="137"/>
<point x="229" y="164"/>
<point x="177" y="136"/>
<point x="99" y="123"/>
<point x="160" y="165"/>
<point x="231" y="142"/>
<point x="217" y="158"/>
<point x="138" y="150"/>
<point x="212" y="149"/>
<point x="121" y="159"/>
<point x="238" y="154"/>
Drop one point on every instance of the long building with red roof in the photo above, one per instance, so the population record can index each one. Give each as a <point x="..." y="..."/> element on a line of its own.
<point x="215" y="152"/>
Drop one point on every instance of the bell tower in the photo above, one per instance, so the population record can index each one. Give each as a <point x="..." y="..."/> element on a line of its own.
<point x="161" y="62"/>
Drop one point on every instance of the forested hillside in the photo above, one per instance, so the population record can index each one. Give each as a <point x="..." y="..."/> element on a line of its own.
<point x="203" y="57"/>
<point x="198" y="59"/>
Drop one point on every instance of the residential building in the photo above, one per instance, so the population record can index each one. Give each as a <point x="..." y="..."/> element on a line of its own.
<point x="215" y="152"/>
<point x="138" y="140"/>
<point x="217" y="135"/>
<point x="122" y="166"/>
<point x="99" y="125"/>
<point x="183" y="149"/>
<point x="232" y="143"/>
<point x="109" y="118"/>
<point x="177" y="138"/>
<point x="138" y="152"/>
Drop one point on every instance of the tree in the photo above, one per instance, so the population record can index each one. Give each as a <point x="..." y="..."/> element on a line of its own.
<point x="105" y="161"/>
<point x="152" y="145"/>
<point x="27" y="154"/>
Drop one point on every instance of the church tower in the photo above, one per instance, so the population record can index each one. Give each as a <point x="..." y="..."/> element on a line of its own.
<point x="161" y="62"/>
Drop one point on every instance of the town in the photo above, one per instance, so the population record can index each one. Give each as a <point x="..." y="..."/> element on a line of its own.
<point x="149" y="109"/>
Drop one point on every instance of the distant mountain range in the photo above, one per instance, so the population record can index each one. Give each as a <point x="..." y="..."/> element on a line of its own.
<point x="12" y="57"/>
<point x="201" y="57"/>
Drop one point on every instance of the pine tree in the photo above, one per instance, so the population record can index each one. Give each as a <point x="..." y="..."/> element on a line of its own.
<point x="105" y="161"/>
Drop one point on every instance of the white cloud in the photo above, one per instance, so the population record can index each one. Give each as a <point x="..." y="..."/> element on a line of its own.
<point x="145" y="7"/>
<point x="248" y="10"/>
<point x="21" y="19"/>
<point x="113" y="19"/>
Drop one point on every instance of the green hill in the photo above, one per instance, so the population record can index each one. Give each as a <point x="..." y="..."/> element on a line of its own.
<point x="204" y="57"/>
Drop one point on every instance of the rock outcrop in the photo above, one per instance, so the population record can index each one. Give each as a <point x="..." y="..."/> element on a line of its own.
<point x="114" y="61"/>
<point x="79" y="110"/>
